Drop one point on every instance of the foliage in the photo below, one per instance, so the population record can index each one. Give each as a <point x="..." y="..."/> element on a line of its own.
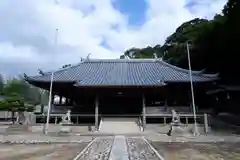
<point x="14" y="103"/>
<point x="213" y="44"/>
<point x="19" y="86"/>
<point x="15" y="86"/>
<point x="1" y="84"/>
<point x="148" y="52"/>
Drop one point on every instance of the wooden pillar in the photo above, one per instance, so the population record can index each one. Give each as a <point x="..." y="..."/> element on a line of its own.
<point x="144" y="112"/>
<point x="96" y="113"/>
<point x="67" y="101"/>
<point x="53" y="98"/>
<point x="60" y="100"/>
<point x="205" y="123"/>
<point x="71" y="102"/>
<point x="165" y="104"/>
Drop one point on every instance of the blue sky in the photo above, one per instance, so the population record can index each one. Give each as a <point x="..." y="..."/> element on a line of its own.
<point x="104" y="28"/>
<point x="134" y="9"/>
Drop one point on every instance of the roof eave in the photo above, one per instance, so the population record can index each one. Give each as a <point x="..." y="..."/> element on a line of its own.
<point x="120" y="86"/>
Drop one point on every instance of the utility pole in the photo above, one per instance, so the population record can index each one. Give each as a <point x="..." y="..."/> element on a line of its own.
<point x="51" y="86"/>
<point x="192" y="92"/>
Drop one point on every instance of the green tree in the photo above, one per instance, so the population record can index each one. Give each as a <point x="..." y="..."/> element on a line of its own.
<point x="19" y="86"/>
<point x="213" y="44"/>
<point x="14" y="104"/>
<point x="147" y="52"/>
<point x="1" y="84"/>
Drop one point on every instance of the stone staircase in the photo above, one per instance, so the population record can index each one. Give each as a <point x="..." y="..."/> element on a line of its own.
<point x="117" y="125"/>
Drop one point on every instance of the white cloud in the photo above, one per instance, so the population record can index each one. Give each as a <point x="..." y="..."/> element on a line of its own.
<point x="27" y="30"/>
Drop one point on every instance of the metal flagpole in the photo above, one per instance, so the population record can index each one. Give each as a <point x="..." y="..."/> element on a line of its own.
<point x="50" y="90"/>
<point x="192" y="92"/>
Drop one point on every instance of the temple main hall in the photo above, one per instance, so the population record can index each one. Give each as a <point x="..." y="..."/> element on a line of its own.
<point x="146" y="88"/>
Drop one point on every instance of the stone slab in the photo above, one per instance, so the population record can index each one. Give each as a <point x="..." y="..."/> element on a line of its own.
<point x="119" y="149"/>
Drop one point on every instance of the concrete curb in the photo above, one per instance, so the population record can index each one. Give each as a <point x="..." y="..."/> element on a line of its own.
<point x="39" y="141"/>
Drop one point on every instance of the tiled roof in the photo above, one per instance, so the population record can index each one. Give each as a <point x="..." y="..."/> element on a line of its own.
<point x="122" y="72"/>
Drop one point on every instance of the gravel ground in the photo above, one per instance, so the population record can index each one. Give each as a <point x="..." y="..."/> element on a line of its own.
<point x="140" y="150"/>
<point x="40" y="152"/>
<point x="99" y="150"/>
<point x="198" y="151"/>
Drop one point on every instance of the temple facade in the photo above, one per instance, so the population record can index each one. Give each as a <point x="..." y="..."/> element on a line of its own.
<point x="143" y="88"/>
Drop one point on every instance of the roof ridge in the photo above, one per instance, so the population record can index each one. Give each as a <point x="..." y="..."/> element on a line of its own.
<point x="150" y="60"/>
<point x="121" y="60"/>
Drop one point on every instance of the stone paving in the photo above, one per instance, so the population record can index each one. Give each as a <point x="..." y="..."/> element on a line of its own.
<point x="99" y="150"/>
<point x="139" y="149"/>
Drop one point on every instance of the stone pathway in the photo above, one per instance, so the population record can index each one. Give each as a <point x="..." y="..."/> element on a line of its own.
<point x="119" y="149"/>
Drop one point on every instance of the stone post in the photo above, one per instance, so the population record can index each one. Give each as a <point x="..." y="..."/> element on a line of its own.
<point x="144" y="112"/>
<point x="205" y="123"/>
<point x="55" y="119"/>
<point x="96" y="113"/>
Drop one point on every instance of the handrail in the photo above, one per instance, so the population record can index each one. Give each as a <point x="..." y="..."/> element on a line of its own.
<point x="170" y="115"/>
<point x="72" y="115"/>
<point x="140" y="124"/>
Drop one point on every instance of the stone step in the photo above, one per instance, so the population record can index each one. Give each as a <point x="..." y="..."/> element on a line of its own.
<point x="119" y="125"/>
